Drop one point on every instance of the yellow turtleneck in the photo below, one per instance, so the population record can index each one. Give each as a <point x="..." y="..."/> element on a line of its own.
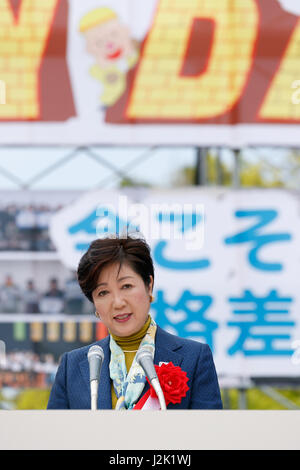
<point x="129" y="343"/>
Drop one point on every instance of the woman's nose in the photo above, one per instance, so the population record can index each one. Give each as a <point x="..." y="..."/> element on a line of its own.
<point x="118" y="301"/>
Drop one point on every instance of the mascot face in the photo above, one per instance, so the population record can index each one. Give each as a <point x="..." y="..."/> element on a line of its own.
<point x="109" y="42"/>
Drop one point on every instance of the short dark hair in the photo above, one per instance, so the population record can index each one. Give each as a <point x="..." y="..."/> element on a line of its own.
<point x="105" y="251"/>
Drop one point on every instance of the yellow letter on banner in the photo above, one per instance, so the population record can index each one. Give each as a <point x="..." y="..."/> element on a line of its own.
<point x="296" y="94"/>
<point x="2" y="92"/>
<point x="159" y="89"/>
<point x="278" y="103"/>
<point x="22" y="45"/>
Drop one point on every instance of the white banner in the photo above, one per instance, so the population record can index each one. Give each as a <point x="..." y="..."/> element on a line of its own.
<point x="226" y="266"/>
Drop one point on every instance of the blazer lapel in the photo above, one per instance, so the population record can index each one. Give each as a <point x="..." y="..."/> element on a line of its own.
<point x="167" y="348"/>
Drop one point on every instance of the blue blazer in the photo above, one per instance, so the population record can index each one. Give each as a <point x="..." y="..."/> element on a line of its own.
<point x="71" y="388"/>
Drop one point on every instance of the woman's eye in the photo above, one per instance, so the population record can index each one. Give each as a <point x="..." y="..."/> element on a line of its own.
<point x="102" y="293"/>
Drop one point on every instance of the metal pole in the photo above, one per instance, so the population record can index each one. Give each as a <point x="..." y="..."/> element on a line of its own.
<point x="236" y="169"/>
<point x="226" y="399"/>
<point x="149" y="153"/>
<point x="219" y="169"/>
<point x="242" y="398"/>
<point x="10" y="176"/>
<point x="201" y="167"/>
<point x="53" y="167"/>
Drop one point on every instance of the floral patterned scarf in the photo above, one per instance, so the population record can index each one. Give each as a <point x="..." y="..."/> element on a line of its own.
<point x="128" y="387"/>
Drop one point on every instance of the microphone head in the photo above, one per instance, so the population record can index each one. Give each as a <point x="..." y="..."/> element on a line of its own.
<point x="144" y="357"/>
<point x="96" y="351"/>
<point x="145" y="351"/>
<point x="95" y="359"/>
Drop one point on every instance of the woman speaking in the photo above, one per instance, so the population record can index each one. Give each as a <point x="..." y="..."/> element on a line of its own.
<point x="117" y="276"/>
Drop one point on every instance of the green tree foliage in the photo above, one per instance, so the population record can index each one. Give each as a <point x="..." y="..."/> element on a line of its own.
<point x="257" y="400"/>
<point x="128" y="182"/>
<point x="259" y="175"/>
<point x="32" y="399"/>
<point x="251" y="174"/>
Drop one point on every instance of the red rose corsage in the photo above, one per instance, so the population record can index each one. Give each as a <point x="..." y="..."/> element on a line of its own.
<point x="173" y="381"/>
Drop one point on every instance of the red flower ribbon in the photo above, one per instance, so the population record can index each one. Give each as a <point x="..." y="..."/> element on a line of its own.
<point x="173" y="381"/>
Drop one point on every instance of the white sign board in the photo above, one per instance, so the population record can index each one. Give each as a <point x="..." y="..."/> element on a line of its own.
<point x="226" y="266"/>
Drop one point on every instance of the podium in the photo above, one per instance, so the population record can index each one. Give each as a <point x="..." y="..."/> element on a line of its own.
<point x="150" y="430"/>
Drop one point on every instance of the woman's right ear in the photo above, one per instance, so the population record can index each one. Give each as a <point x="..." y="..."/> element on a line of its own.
<point x="97" y="315"/>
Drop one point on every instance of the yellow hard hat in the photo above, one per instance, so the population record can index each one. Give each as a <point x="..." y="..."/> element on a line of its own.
<point x="96" y="17"/>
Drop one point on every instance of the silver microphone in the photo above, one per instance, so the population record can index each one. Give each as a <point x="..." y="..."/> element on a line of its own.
<point x="145" y="360"/>
<point x="95" y="358"/>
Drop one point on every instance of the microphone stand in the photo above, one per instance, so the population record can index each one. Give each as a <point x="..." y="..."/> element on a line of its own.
<point x="156" y="385"/>
<point x="95" y="359"/>
<point x="94" y="394"/>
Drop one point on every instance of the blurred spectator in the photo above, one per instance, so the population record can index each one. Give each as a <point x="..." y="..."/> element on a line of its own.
<point x="43" y="242"/>
<point x="26" y="223"/>
<point x="25" y="369"/>
<point x="31" y="298"/>
<point x="43" y="216"/>
<point x="3" y="220"/>
<point x="53" y="299"/>
<point x="10" y="229"/>
<point x="10" y="296"/>
<point x="26" y="228"/>
<point x="74" y="298"/>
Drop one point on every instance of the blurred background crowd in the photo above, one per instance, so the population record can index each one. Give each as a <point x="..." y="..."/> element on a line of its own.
<point x="25" y="228"/>
<point x="66" y="298"/>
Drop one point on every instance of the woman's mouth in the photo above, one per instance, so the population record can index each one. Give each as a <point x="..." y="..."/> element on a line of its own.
<point x="122" y="318"/>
